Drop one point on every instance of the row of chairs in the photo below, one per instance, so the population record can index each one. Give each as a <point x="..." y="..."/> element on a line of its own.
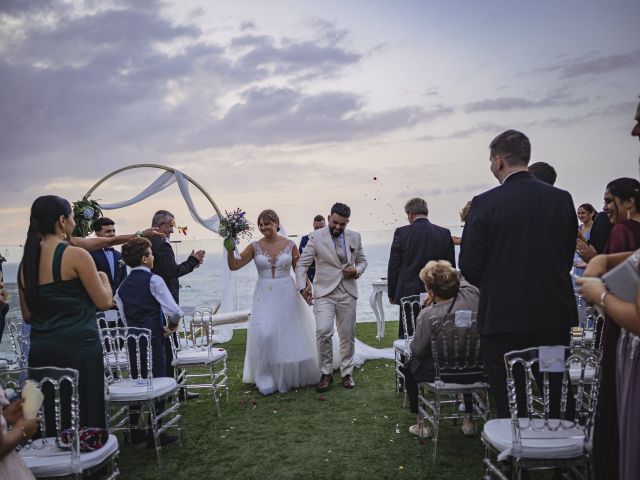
<point x="535" y="437"/>
<point x="129" y="387"/>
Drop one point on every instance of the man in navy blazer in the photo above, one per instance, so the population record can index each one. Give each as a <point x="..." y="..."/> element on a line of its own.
<point x="413" y="246"/>
<point x="517" y="248"/>
<point x="107" y="260"/>
<point x="318" y="223"/>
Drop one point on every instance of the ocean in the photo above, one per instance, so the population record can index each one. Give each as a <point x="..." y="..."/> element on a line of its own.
<point x="202" y="286"/>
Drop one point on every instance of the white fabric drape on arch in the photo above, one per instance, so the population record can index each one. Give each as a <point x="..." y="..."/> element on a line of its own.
<point x="228" y="300"/>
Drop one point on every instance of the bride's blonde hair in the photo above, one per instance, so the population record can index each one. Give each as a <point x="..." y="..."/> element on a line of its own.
<point x="269" y="216"/>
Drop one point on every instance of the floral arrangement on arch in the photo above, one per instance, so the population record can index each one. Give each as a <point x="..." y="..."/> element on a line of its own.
<point x="234" y="225"/>
<point x="85" y="212"/>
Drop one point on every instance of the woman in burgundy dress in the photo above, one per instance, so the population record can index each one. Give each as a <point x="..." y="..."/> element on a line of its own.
<point x="621" y="204"/>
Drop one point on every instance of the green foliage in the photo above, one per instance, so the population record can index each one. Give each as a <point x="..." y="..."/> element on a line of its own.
<point x="340" y="434"/>
<point x="85" y="212"/>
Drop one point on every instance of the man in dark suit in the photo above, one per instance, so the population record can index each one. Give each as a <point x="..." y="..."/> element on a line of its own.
<point x="107" y="260"/>
<point x="318" y="222"/>
<point x="517" y="248"/>
<point x="165" y="266"/>
<point x="412" y="247"/>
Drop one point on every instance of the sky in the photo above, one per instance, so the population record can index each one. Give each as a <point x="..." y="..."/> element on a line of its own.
<point x="294" y="105"/>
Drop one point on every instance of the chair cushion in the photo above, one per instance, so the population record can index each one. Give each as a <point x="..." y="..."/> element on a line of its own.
<point x="458" y="386"/>
<point x="56" y="462"/>
<point x="194" y="356"/>
<point x="130" y="390"/>
<point x="401" y="345"/>
<point x="568" y="443"/>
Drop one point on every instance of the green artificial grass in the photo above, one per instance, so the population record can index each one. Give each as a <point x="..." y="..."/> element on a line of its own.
<point x="341" y="434"/>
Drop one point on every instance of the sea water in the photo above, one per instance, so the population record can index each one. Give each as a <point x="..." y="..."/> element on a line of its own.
<point x="202" y="286"/>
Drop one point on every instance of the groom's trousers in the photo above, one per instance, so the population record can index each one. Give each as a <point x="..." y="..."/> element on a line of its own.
<point x="340" y="307"/>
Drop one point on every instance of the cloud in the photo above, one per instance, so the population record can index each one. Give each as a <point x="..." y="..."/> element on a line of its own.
<point x="592" y="64"/>
<point x="101" y="86"/>
<point x="480" y="128"/>
<point x="502" y="104"/>
<point x="615" y="109"/>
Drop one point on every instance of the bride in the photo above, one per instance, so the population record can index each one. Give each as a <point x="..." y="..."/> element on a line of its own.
<point x="281" y="345"/>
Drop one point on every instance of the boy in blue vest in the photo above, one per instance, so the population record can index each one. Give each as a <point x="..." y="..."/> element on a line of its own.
<point x="144" y="301"/>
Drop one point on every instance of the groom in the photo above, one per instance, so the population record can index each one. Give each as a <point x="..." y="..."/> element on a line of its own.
<point x="339" y="262"/>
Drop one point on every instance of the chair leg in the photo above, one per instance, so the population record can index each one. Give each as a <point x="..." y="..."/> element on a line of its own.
<point x="436" y="425"/>
<point x="214" y="388"/>
<point x="154" y="430"/>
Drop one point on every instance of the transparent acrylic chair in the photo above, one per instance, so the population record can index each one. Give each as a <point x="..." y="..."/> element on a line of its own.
<point x="409" y="312"/>
<point x="45" y="456"/>
<point x="19" y="345"/>
<point x="194" y="347"/>
<point x="553" y="430"/>
<point x="134" y="388"/>
<point x="458" y="371"/>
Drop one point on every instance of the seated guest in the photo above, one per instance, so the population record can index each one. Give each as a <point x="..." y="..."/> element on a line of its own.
<point x="143" y="300"/>
<point x="446" y="293"/>
<point x="11" y="464"/>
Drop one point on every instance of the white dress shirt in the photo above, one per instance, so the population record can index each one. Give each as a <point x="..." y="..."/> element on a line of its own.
<point x="161" y="293"/>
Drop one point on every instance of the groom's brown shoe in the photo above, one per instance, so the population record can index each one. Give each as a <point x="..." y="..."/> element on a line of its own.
<point x="347" y="382"/>
<point x="325" y="380"/>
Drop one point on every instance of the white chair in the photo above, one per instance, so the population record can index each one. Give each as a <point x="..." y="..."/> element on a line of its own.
<point x="537" y="439"/>
<point x="458" y="370"/>
<point x="135" y="388"/>
<point x="194" y="348"/>
<point x="409" y="312"/>
<point x="44" y="456"/>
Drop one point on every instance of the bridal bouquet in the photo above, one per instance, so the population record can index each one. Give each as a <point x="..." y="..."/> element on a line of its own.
<point x="234" y="225"/>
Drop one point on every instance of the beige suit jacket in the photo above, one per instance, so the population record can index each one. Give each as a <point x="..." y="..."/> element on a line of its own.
<point x="321" y="248"/>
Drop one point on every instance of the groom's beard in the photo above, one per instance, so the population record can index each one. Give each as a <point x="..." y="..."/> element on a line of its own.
<point x="335" y="232"/>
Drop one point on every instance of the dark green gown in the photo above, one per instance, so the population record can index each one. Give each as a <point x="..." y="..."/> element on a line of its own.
<point x="64" y="333"/>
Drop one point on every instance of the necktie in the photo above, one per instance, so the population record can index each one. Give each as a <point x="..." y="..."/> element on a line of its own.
<point x="340" y="250"/>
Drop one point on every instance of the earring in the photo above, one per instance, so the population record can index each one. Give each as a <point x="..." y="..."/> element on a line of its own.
<point x="64" y="237"/>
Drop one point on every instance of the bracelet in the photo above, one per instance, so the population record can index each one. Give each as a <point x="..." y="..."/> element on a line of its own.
<point x="603" y="295"/>
<point x="24" y="434"/>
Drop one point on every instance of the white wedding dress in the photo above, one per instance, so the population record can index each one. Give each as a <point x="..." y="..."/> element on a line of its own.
<point x="281" y="341"/>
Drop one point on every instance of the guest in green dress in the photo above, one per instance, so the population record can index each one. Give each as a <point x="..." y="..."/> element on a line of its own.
<point x="60" y="289"/>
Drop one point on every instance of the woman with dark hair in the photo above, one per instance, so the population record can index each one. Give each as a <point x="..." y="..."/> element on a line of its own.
<point x="626" y="314"/>
<point x="60" y="288"/>
<point x="586" y="213"/>
<point x="622" y="205"/>
<point x="281" y="349"/>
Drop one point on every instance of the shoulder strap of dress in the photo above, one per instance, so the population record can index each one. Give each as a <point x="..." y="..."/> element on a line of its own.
<point x="57" y="262"/>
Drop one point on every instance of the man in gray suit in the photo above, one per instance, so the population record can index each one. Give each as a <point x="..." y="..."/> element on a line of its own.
<point x="339" y="260"/>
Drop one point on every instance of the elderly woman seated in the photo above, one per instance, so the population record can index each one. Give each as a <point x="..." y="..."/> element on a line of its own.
<point x="446" y="293"/>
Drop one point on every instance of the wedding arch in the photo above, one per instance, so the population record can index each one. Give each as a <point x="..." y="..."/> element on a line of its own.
<point x="228" y="301"/>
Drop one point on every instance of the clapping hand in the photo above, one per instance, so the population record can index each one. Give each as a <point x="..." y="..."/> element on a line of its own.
<point x="591" y="289"/>
<point x="586" y="251"/>
<point x="199" y="255"/>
